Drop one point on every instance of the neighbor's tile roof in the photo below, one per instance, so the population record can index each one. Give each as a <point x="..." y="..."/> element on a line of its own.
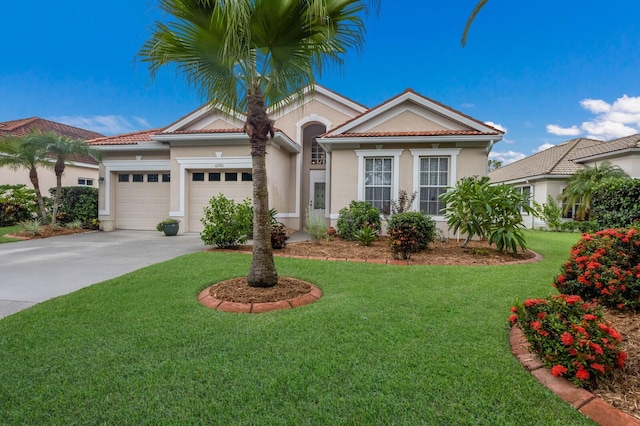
<point x="446" y="132"/>
<point x="23" y="126"/>
<point x="552" y="161"/>
<point x="126" y="138"/>
<point x="621" y="144"/>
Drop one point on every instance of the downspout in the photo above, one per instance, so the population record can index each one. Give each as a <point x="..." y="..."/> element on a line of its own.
<point x="488" y="150"/>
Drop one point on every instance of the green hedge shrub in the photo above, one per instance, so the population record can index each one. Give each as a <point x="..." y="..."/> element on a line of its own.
<point x="410" y="233"/>
<point x="352" y="218"/>
<point x="17" y="203"/>
<point x="226" y="224"/>
<point x="581" y="226"/>
<point x="615" y="203"/>
<point x="77" y="203"/>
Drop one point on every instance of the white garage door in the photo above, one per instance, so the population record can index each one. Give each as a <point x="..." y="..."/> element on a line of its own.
<point x="142" y="200"/>
<point x="235" y="185"/>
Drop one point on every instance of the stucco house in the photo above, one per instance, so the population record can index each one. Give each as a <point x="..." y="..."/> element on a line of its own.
<point x="83" y="171"/>
<point x="546" y="173"/>
<point x="327" y="151"/>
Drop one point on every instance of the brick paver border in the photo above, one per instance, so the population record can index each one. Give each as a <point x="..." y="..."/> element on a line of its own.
<point x="587" y="403"/>
<point x="209" y="301"/>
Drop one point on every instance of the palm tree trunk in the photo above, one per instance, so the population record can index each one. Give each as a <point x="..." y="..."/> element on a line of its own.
<point x="33" y="176"/>
<point x="59" y="169"/>
<point x="259" y="127"/>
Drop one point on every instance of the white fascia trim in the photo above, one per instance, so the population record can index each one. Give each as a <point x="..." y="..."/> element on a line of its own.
<point x="190" y="163"/>
<point x="84" y="165"/>
<point x="200" y="136"/>
<point x="127" y="166"/>
<point x="532" y="179"/>
<point x="144" y="146"/>
<point x="370" y="153"/>
<point x="453" y="167"/>
<point x="410" y="139"/>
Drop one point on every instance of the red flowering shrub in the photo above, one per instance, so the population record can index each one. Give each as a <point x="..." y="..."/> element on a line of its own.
<point x="604" y="266"/>
<point x="571" y="337"/>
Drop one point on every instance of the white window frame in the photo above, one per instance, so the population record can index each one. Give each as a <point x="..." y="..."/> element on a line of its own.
<point x="520" y="190"/>
<point x="85" y="181"/>
<point x="453" y="167"/>
<point x="394" y="154"/>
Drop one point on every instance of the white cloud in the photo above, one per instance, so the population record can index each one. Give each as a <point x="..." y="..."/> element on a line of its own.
<point x="543" y="147"/>
<point x="506" y="157"/>
<point x="611" y="121"/>
<point x="468" y="105"/>
<point x="105" y="124"/>
<point x="561" y="131"/>
<point x="496" y="126"/>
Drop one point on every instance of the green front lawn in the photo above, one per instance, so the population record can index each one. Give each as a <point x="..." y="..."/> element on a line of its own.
<point x="384" y="345"/>
<point x="9" y="230"/>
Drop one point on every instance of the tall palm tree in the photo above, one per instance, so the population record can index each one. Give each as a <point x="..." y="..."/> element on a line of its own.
<point x="63" y="150"/>
<point x="26" y="152"/>
<point x="247" y="54"/>
<point x="580" y="187"/>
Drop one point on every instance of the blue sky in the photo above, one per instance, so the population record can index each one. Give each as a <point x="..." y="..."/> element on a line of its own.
<point x="546" y="71"/>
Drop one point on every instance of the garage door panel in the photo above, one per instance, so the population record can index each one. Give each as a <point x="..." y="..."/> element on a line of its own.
<point x="202" y="192"/>
<point x="141" y="205"/>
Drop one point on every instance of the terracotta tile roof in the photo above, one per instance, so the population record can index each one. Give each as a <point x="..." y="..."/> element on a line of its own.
<point x="23" y="126"/>
<point x="552" y="161"/>
<point x="132" y="138"/>
<point x="629" y="142"/>
<point x="446" y="132"/>
<point x="409" y="90"/>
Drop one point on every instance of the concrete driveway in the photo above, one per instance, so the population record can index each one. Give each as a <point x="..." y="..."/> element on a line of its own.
<point x="37" y="270"/>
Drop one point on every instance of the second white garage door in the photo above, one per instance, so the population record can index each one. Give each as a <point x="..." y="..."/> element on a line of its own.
<point x="235" y="185"/>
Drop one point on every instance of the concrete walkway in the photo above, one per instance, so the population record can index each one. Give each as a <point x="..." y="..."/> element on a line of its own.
<point x="37" y="270"/>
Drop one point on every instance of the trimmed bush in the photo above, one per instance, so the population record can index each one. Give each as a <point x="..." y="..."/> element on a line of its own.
<point x="17" y="203"/>
<point x="571" y="337"/>
<point x="580" y="226"/>
<point x="77" y="203"/>
<point x="226" y="224"/>
<point x="615" y="203"/>
<point x="352" y="218"/>
<point x="410" y="233"/>
<point x="604" y="266"/>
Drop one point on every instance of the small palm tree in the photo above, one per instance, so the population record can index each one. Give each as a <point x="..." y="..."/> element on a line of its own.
<point x="247" y="54"/>
<point x="63" y="150"/>
<point x="580" y="187"/>
<point x="26" y="152"/>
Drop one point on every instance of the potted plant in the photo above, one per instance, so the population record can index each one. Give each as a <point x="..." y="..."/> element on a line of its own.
<point x="169" y="226"/>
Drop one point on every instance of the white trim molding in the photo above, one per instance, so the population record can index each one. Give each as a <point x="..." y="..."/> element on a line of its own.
<point x="370" y="153"/>
<point x="453" y="167"/>
<point x="191" y="163"/>
<point x="127" y="166"/>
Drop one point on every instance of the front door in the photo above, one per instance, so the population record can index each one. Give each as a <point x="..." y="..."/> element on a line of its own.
<point x="317" y="191"/>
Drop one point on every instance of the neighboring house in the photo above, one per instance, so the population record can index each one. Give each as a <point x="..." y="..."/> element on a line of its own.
<point x="623" y="152"/>
<point x="546" y="173"/>
<point x="327" y="151"/>
<point x="83" y="171"/>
